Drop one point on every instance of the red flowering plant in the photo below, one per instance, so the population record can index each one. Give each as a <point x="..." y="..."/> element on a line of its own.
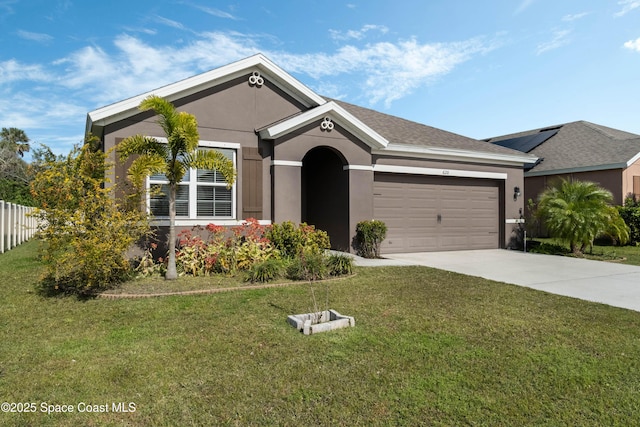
<point x="223" y="250"/>
<point x="191" y="252"/>
<point x="251" y="244"/>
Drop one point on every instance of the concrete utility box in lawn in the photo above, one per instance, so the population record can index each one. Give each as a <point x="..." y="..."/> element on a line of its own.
<point x="321" y="321"/>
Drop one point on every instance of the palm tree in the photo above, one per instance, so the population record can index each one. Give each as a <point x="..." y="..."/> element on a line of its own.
<point x="16" y="139"/>
<point x="173" y="158"/>
<point x="579" y="211"/>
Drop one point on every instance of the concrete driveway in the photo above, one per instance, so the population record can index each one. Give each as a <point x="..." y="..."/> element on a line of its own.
<point x="604" y="282"/>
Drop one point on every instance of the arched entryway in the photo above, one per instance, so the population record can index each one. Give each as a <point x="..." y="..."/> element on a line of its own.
<point x="325" y="194"/>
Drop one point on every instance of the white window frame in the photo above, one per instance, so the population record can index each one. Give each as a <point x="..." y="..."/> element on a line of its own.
<point x="193" y="219"/>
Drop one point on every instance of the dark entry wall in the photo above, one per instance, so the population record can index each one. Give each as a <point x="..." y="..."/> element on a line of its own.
<point x="325" y="195"/>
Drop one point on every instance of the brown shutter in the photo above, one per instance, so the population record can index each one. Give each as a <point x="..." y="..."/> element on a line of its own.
<point x="636" y="186"/>
<point x="251" y="183"/>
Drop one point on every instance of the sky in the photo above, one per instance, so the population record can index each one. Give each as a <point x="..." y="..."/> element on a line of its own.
<point x="476" y="68"/>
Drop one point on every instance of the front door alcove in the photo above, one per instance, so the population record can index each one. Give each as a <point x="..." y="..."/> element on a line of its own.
<point x="325" y="194"/>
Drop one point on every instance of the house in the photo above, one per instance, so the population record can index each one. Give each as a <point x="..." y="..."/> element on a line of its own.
<point x="303" y="157"/>
<point x="581" y="151"/>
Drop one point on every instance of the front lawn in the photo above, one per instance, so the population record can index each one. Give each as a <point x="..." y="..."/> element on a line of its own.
<point x="621" y="254"/>
<point x="429" y="348"/>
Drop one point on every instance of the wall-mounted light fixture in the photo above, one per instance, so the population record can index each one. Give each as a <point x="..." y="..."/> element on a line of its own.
<point x="516" y="193"/>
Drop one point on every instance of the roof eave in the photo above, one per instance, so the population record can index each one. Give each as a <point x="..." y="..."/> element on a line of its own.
<point x="593" y="168"/>
<point x="441" y="153"/>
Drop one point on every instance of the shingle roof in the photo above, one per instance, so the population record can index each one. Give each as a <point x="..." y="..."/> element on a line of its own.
<point x="581" y="145"/>
<point x="401" y="131"/>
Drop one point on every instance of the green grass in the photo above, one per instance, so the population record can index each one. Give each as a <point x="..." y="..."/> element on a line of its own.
<point x="620" y="254"/>
<point x="429" y="348"/>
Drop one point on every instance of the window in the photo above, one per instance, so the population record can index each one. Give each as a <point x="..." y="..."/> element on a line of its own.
<point x="202" y="193"/>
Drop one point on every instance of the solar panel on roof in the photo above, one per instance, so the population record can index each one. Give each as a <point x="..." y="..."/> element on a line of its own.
<point x="528" y="142"/>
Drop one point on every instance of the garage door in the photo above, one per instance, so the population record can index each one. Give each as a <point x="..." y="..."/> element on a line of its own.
<point x="426" y="213"/>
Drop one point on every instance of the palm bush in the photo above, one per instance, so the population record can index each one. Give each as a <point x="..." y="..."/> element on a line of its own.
<point x="579" y="211"/>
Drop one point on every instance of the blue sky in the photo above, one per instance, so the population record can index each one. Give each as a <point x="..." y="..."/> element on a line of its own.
<point x="477" y="68"/>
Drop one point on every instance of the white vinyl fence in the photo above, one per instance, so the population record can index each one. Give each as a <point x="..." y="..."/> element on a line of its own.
<point x="16" y="226"/>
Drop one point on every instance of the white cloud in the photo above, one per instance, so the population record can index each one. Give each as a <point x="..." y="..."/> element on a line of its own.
<point x="36" y="37"/>
<point x="169" y="22"/>
<point x="7" y="5"/>
<point x="357" y="34"/>
<point x="213" y="11"/>
<point x="12" y="71"/>
<point x="574" y="17"/>
<point x="33" y="112"/>
<point x="560" y="38"/>
<point x="633" y="44"/>
<point x="627" y="6"/>
<point x="389" y="71"/>
<point x="523" y="5"/>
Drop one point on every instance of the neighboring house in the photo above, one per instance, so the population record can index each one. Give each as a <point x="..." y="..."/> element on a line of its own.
<point x="302" y="157"/>
<point x="581" y="151"/>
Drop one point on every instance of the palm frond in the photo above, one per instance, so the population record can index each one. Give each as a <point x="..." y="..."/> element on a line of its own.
<point x="145" y="165"/>
<point x="212" y="159"/>
<point x="186" y="130"/>
<point x="164" y="109"/>
<point x="140" y="145"/>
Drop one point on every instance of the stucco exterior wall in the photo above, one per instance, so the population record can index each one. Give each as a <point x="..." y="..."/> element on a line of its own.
<point x="627" y="180"/>
<point x="287" y="180"/>
<point x="228" y="113"/>
<point x="611" y="179"/>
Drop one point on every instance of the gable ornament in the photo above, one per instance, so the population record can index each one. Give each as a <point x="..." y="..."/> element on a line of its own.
<point x="327" y="124"/>
<point x="255" y="79"/>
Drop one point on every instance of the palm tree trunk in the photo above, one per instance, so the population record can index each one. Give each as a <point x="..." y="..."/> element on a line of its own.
<point x="172" y="272"/>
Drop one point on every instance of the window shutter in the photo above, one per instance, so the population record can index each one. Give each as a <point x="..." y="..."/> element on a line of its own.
<point x="251" y="183"/>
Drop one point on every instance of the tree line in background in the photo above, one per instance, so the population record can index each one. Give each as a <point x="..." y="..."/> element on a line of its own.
<point x="15" y="173"/>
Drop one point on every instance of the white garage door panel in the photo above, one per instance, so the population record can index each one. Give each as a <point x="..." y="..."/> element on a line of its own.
<point x="434" y="214"/>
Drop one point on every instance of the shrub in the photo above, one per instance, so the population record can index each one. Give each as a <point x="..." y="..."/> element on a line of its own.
<point x="86" y="231"/>
<point x="292" y="241"/>
<point x="223" y="251"/>
<point x="266" y="271"/>
<point x="339" y="265"/>
<point x="147" y="266"/>
<point x="578" y="211"/>
<point x="631" y="216"/>
<point x="308" y="266"/>
<point x="369" y="236"/>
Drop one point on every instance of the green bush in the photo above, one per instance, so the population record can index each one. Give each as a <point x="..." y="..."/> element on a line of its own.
<point x="308" y="266"/>
<point x="631" y="216"/>
<point x="266" y="271"/>
<point x="291" y="240"/>
<point x="86" y="232"/>
<point x="369" y="237"/>
<point x="339" y="265"/>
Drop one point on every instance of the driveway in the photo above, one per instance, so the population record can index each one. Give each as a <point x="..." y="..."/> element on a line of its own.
<point x="604" y="282"/>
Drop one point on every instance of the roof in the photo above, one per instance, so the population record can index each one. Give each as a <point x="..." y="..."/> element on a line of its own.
<point x="577" y="147"/>
<point x="399" y="131"/>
